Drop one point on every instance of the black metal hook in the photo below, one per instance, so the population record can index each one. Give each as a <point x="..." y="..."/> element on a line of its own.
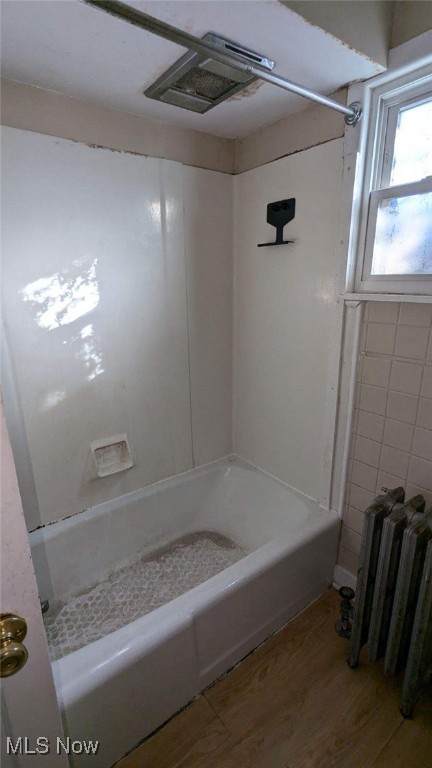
<point x="278" y="215"/>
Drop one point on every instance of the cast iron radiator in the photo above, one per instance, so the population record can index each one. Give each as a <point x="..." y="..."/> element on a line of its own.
<point x="393" y="607"/>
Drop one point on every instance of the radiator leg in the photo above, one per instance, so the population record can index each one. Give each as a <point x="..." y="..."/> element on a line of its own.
<point x="344" y="623"/>
<point x="418" y="672"/>
<point x="407" y="711"/>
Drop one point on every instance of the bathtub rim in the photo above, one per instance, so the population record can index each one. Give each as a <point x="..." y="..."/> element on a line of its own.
<point x="50" y="530"/>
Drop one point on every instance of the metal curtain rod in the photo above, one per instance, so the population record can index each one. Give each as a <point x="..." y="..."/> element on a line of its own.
<point x="352" y="113"/>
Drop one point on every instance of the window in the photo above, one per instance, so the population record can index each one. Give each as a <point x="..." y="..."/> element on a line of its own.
<point x="395" y="243"/>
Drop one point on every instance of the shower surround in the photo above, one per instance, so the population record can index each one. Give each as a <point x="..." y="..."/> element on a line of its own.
<point x="118" y="311"/>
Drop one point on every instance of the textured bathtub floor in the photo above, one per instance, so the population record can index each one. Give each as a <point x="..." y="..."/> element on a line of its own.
<point x="137" y="589"/>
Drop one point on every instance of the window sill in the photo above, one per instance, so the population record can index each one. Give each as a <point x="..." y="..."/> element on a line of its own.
<point x="402" y="297"/>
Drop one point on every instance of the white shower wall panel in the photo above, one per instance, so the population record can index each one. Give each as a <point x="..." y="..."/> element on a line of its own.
<point x="209" y="268"/>
<point x="285" y="305"/>
<point x="95" y="306"/>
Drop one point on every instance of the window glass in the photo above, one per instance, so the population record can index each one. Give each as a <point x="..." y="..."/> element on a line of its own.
<point x="412" y="156"/>
<point x="403" y="236"/>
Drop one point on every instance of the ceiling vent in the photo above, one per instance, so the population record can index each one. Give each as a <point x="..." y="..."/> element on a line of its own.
<point x="199" y="83"/>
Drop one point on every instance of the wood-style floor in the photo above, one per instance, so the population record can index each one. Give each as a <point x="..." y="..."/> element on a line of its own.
<point x="294" y="703"/>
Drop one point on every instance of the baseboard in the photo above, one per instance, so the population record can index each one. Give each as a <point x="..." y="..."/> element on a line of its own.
<point x="343" y="578"/>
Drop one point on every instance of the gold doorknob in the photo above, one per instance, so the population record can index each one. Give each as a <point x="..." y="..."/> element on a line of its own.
<point x="13" y="654"/>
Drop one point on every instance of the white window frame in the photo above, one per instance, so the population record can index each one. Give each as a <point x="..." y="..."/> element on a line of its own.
<point x="382" y="98"/>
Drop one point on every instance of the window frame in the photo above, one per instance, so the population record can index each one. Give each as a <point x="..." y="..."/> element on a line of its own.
<point x="383" y="97"/>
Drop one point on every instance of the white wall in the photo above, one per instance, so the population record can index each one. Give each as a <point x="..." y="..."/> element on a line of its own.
<point x="208" y="205"/>
<point x="299" y="131"/>
<point x="285" y="304"/>
<point x="411" y="18"/>
<point x="48" y="112"/>
<point x="364" y="26"/>
<point x="96" y="309"/>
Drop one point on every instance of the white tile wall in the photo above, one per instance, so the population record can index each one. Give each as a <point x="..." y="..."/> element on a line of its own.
<point x="392" y="440"/>
<point x="398" y="434"/>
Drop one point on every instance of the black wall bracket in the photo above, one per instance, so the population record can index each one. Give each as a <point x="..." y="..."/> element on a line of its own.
<point x="278" y="215"/>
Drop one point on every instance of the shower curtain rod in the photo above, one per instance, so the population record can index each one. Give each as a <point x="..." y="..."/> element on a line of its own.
<point x="353" y="112"/>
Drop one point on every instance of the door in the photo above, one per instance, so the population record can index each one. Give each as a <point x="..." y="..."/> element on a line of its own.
<point x="29" y="709"/>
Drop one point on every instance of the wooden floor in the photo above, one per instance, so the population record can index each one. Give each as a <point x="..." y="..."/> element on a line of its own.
<point x="294" y="703"/>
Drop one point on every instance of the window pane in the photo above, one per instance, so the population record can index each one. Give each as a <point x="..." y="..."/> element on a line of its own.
<point x="403" y="236"/>
<point x="412" y="157"/>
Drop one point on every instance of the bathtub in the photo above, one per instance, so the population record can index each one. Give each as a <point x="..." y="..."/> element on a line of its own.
<point x="120" y="688"/>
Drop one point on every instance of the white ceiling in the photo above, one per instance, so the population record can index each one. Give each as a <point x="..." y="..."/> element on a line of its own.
<point x="66" y="46"/>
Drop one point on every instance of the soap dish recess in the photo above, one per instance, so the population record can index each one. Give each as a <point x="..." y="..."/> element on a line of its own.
<point x="111" y="455"/>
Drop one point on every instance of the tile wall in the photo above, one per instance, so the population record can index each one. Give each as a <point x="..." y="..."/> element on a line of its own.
<point x="392" y="440"/>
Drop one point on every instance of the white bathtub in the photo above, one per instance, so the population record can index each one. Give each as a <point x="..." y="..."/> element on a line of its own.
<point x="123" y="686"/>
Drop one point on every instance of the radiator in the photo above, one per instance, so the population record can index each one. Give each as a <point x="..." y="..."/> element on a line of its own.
<point x="393" y="606"/>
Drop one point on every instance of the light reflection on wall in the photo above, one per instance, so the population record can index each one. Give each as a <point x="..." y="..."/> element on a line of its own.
<point x="52" y="399"/>
<point x="162" y="211"/>
<point x="65" y="296"/>
<point x="155" y="211"/>
<point x="90" y="352"/>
